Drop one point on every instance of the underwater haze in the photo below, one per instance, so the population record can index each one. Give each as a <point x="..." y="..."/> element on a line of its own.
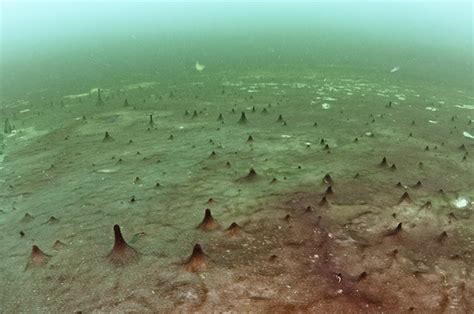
<point x="236" y="156"/>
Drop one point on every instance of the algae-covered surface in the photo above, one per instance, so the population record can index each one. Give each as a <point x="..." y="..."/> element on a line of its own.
<point x="352" y="188"/>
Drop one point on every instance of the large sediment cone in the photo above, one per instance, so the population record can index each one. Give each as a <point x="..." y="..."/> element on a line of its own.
<point x="208" y="223"/>
<point x="121" y="253"/>
<point x="197" y="261"/>
<point x="38" y="257"/>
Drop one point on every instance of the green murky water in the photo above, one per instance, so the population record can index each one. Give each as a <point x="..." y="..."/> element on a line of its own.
<point x="324" y="225"/>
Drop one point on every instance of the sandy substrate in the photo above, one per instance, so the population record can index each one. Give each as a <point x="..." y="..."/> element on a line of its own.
<point x="350" y="241"/>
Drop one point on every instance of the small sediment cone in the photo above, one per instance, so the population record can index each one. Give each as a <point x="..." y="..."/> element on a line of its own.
<point x="151" y="123"/>
<point x="107" y="137"/>
<point x="38" y="257"/>
<point x="243" y="118"/>
<point x="329" y="191"/>
<point x="58" y="245"/>
<point x="442" y="237"/>
<point x="252" y="175"/>
<point x="427" y="205"/>
<point x="8" y="127"/>
<point x="121" y="253"/>
<point x="197" y="261"/>
<point x="27" y="218"/>
<point x="324" y="202"/>
<point x="395" y="231"/>
<point x="405" y="198"/>
<point x="384" y="162"/>
<point x="327" y="179"/>
<point x="208" y="223"/>
<point x="233" y="230"/>
<point x="52" y="220"/>
<point x="361" y="276"/>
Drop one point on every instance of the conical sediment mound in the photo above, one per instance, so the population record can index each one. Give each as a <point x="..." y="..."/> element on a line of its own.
<point x="197" y="261"/>
<point x="121" y="253"/>
<point x="208" y="223"/>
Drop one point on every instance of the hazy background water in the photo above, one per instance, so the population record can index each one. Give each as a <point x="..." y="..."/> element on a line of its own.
<point x="70" y="47"/>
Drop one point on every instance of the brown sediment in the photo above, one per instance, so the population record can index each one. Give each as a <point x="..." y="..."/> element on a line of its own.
<point x="121" y="253"/>
<point x="208" y="223"/>
<point x="197" y="261"/>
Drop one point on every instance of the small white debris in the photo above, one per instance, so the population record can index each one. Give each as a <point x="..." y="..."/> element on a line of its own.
<point x="466" y="134"/>
<point x="369" y="134"/>
<point x="431" y="109"/>
<point x="26" y="110"/>
<point x="106" y="170"/>
<point x="326" y="106"/>
<point x="432" y="121"/>
<point x="285" y="136"/>
<point x="199" y="67"/>
<point x="181" y="127"/>
<point x="395" y="69"/>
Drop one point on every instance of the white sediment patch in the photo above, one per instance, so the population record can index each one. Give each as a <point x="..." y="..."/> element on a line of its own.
<point x="76" y="96"/>
<point x="468" y="135"/>
<point x="432" y="121"/>
<point x="431" y="109"/>
<point x="465" y="106"/>
<point x="462" y="202"/>
<point x="139" y="85"/>
<point x="326" y="106"/>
